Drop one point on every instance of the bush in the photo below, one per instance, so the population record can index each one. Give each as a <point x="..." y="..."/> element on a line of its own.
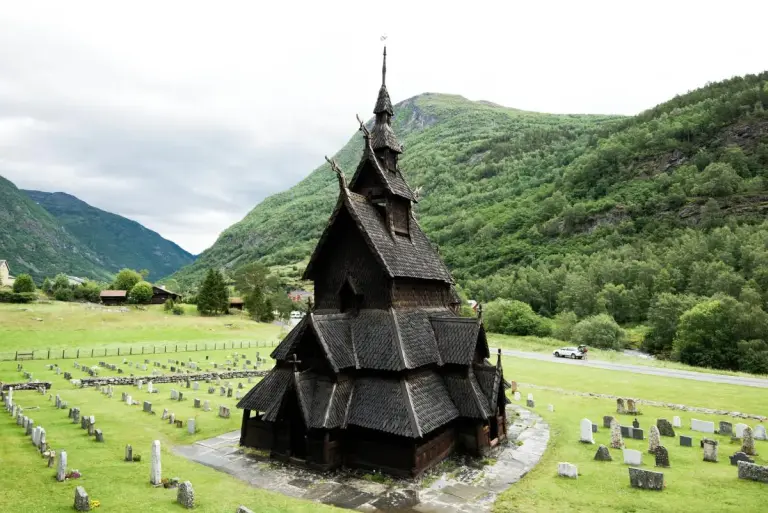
<point x="599" y="331"/>
<point x="141" y="293"/>
<point x="63" y="294"/>
<point x="7" y="296"/>
<point x="178" y="310"/>
<point x="168" y="305"/>
<point x="23" y="283"/>
<point x="88" y="291"/>
<point x="563" y="325"/>
<point x="513" y="317"/>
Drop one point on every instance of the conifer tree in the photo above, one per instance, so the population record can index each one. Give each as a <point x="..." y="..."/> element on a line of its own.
<point x="213" y="298"/>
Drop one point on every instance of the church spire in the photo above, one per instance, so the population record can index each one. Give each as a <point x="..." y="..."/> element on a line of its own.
<point x="382" y="136"/>
<point x="384" y="68"/>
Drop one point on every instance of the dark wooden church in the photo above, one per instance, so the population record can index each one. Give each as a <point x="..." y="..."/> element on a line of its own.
<point x="382" y="374"/>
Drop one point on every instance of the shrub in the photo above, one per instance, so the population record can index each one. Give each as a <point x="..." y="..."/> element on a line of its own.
<point x="599" y="331"/>
<point x="23" y="283"/>
<point x="88" y="291"/>
<point x="63" y="294"/>
<point x="141" y="293"/>
<point x="563" y="325"/>
<point x="168" y="305"/>
<point x="513" y="317"/>
<point x="178" y="310"/>
<point x="7" y="296"/>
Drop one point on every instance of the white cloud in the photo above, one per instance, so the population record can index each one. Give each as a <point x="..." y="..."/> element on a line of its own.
<point x="204" y="109"/>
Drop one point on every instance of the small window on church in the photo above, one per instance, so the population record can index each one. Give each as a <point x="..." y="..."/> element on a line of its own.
<point x="349" y="301"/>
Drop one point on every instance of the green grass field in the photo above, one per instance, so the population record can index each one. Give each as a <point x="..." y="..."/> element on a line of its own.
<point x="28" y="485"/>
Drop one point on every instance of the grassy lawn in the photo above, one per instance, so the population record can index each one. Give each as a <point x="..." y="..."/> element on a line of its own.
<point x="546" y="345"/>
<point x="68" y="326"/>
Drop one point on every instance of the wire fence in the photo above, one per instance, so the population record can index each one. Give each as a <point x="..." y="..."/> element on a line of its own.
<point x="131" y="350"/>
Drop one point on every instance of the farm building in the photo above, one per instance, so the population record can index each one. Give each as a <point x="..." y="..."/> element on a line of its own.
<point x="382" y="374"/>
<point x="6" y="280"/>
<point x="113" y="297"/>
<point x="160" y="295"/>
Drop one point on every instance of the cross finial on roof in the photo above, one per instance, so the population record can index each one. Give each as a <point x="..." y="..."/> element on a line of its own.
<point x="294" y="361"/>
<point x="384" y="67"/>
<point x="309" y="303"/>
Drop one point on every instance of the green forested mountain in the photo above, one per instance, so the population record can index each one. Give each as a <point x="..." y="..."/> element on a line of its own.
<point x="584" y="214"/>
<point x="119" y="242"/>
<point x="34" y="242"/>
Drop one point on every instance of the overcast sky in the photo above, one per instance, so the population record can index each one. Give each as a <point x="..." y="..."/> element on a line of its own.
<point x="184" y="115"/>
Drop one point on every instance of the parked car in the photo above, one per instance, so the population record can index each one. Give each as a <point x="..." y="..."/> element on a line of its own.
<point x="570" y="352"/>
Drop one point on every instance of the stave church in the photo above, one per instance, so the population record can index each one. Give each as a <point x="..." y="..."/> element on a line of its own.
<point x="382" y="374"/>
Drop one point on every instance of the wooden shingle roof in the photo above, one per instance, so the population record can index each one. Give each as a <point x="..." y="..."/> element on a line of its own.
<point x="393" y="181"/>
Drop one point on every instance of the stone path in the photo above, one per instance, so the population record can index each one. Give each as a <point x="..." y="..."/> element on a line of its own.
<point x="463" y="489"/>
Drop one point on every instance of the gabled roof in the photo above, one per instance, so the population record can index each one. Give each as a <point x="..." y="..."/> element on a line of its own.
<point x="113" y="293"/>
<point x="158" y="290"/>
<point x="393" y="181"/>
<point x="267" y="394"/>
<point x="457" y="338"/>
<point x="467" y="395"/>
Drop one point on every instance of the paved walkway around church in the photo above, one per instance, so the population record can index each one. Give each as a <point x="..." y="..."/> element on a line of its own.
<point x="463" y="489"/>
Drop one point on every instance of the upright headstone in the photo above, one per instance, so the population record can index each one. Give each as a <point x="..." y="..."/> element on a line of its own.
<point x="191" y="426"/>
<point x="30" y="426"/>
<point x="738" y="430"/>
<point x="617" y="441"/>
<point x="155" y="472"/>
<point x="633" y="457"/>
<point x="129" y="400"/>
<point x="607" y="421"/>
<point x="186" y="495"/>
<point x="726" y="428"/>
<point x="676" y="422"/>
<point x="620" y="408"/>
<point x="662" y="456"/>
<point x="665" y="427"/>
<point x="646" y="479"/>
<point x="197" y="402"/>
<point x="635" y="423"/>
<point x="128" y="453"/>
<point x="603" y="454"/>
<point x="207" y="406"/>
<point x="740" y="456"/>
<point x="710" y="449"/>
<point x="195" y="385"/>
<point x="61" y="470"/>
<point x="686" y="441"/>
<point x="529" y="403"/>
<point x="631" y="407"/>
<point x="82" y="502"/>
<point x="654" y="440"/>
<point x="702" y="426"/>
<point x="165" y="414"/>
<point x="585" y="432"/>
<point x="759" y="432"/>
<point x="75" y="415"/>
<point x="565" y="469"/>
<point x="517" y="396"/>
<point x="748" y="442"/>
<point x="99" y="435"/>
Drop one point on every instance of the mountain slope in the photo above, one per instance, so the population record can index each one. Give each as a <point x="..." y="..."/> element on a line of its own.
<point x="34" y="242"/>
<point x="118" y="241"/>
<point x="446" y="139"/>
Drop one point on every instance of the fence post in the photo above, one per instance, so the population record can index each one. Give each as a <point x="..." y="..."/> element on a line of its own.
<point x="78" y="353"/>
<point x="142" y="349"/>
<point x="154" y="349"/>
<point x="17" y="356"/>
<point x="62" y="353"/>
<point x="118" y="351"/>
<point x="131" y="351"/>
<point x="49" y="354"/>
<point x="177" y="348"/>
<point x="91" y="353"/>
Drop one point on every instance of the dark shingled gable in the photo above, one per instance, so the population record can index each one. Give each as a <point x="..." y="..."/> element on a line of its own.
<point x="418" y="338"/>
<point x="268" y="393"/>
<point x="286" y="347"/>
<point x="381" y="404"/>
<point x="391" y="180"/>
<point x="382" y="136"/>
<point x="467" y="395"/>
<point x="457" y="338"/>
<point x="375" y="341"/>
<point x="431" y="402"/>
<point x="334" y="334"/>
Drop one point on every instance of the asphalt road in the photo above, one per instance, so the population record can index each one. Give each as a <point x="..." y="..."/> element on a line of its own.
<point x="641" y="369"/>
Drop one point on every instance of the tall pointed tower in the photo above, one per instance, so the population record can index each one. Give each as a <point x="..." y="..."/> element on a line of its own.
<point x="382" y="374"/>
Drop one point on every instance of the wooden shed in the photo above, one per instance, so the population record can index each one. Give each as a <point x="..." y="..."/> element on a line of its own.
<point x="113" y="297"/>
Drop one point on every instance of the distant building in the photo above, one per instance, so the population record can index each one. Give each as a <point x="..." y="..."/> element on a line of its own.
<point x="6" y="280"/>
<point x="160" y="295"/>
<point x="300" y="296"/>
<point x="113" y="297"/>
<point x="75" y="281"/>
<point x="473" y="304"/>
<point x="237" y="303"/>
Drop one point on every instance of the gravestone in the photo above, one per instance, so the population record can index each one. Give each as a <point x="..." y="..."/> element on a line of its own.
<point x="665" y="427"/>
<point x="702" y="426"/>
<point x="223" y="411"/>
<point x="41" y="440"/>
<point x="633" y="457"/>
<point x="594" y="428"/>
<point x="30" y="426"/>
<point x="243" y="509"/>
<point x="186" y="495"/>
<point x="635" y="423"/>
<point x="91" y="425"/>
<point x="585" y="435"/>
<point x="603" y="454"/>
<point x="517" y="395"/>
<point x="617" y="442"/>
<point x="51" y="458"/>
<point x="607" y="421"/>
<point x="197" y="402"/>
<point x="250" y="380"/>
<point x="238" y="395"/>
<point x="726" y="428"/>
<point x="207" y="406"/>
<point x="99" y="435"/>
<point x="662" y="456"/>
<point x="753" y="472"/>
<point x="229" y="392"/>
<point x="181" y="396"/>
<point x="529" y="403"/>
<point x="653" y="439"/>
<point x="222" y="391"/>
<point x="195" y="385"/>
<point x="147" y="406"/>
<point x="128" y="453"/>
<point x="740" y="456"/>
<point x="637" y="434"/>
<point x="626" y="431"/>
<point x="164" y="416"/>
<point x="240" y="386"/>
<point x="129" y="400"/>
<point x="620" y="408"/>
<point x="61" y="470"/>
<point x="686" y="441"/>
<point x="631" y="407"/>
<point x="551" y="407"/>
<point x="565" y="469"/>
<point x="191" y="426"/>
<point x="738" y="430"/>
<point x="155" y="472"/>
<point x="174" y="394"/>
<point x="211" y="390"/>
<point x="646" y="479"/>
<point x="759" y="433"/>
<point x="82" y="503"/>
<point x="748" y="442"/>
<point x="710" y="449"/>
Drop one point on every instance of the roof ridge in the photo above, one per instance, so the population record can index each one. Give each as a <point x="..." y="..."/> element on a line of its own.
<point x="398" y="338"/>
<point x="409" y="407"/>
<point x="328" y="406"/>
<point x="475" y="386"/>
<point x="323" y="343"/>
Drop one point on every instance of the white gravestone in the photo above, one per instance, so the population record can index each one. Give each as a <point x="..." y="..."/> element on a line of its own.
<point x="155" y="472"/>
<point x="61" y="471"/>
<point x="128" y="400"/>
<point x="759" y="433"/>
<point x="150" y="387"/>
<point x="191" y="426"/>
<point x="567" y="470"/>
<point x="676" y="422"/>
<point x="703" y="426"/>
<point x="586" y="432"/>
<point x="738" y="430"/>
<point x="551" y="407"/>
<point x="518" y="396"/>
<point x="633" y="457"/>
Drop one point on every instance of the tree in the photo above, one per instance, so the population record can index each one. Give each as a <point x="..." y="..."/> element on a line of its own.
<point x="514" y="317"/>
<point x="718" y="179"/>
<point x="213" y="298"/>
<point x="88" y="291"/>
<point x="126" y="279"/>
<point x="141" y="293"/>
<point x="599" y="331"/>
<point x="61" y="282"/>
<point x="24" y="283"/>
<point x="578" y="295"/>
<point x="168" y="305"/>
<point x="47" y="286"/>
<point x="63" y="294"/>
<point x="144" y="273"/>
<point x="563" y="325"/>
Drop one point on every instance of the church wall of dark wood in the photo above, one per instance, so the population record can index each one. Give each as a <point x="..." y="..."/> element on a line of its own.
<point x="420" y="293"/>
<point x="399" y="211"/>
<point x="368" y="182"/>
<point x="347" y="255"/>
<point x="435" y="450"/>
